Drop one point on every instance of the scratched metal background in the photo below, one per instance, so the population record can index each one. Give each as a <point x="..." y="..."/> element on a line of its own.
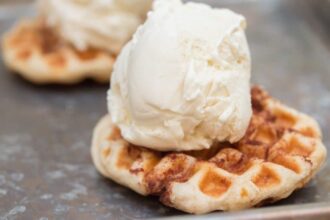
<point x="45" y="131"/>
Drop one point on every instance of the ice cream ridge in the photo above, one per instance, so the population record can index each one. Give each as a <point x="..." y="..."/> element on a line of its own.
<point x="183" y="81"/>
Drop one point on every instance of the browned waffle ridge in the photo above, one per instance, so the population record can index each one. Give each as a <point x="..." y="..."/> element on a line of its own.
<point x="281" y="152"/>
<point x="39" y="55"/>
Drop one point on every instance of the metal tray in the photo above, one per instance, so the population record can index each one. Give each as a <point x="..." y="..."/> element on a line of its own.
<point x="45" y="131"/>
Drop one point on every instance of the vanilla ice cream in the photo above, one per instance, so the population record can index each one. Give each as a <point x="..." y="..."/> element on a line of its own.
<point x="103" y="24"/>
<point x="183" y="81"/>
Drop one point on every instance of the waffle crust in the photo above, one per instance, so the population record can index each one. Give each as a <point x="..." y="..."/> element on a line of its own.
<point x="280" y="152"/>
<point x="36" y="53"/>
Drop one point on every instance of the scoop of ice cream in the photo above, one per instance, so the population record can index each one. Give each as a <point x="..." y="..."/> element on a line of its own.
<point x="103" y="24"/>
<point x="183" y="81"/>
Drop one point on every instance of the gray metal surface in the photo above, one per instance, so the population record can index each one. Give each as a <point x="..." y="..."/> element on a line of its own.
<point x="45" y="131"/>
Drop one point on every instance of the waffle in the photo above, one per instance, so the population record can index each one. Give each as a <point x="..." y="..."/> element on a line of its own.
<point x="280" y="152"/>
<point x="36" y="53"/>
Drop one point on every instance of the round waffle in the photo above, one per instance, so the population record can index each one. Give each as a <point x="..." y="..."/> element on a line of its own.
<point x="35" y="52"/>
<point x="280" y="152"/>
